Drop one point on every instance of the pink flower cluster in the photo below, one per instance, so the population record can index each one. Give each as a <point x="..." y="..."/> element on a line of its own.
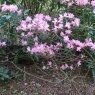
<point x="11" y="8"/>
<point x="70" y="3"/>
<point x="82" y="2"/>
<point x="78" y="45"/>
<point x="71" y="67"/>
<point x="93" y="3"/>
<point x="44" y="24"/>
<point x="2" y="43"/>
<point x="66" y="66"/>
<point x="40" y="23"/>
<point x="44" y="49"/>
<point x="60" y="25"/>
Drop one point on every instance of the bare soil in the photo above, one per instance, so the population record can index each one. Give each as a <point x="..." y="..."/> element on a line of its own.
<point x="41" y="82"/>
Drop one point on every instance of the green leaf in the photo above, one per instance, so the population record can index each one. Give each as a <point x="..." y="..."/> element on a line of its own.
<point x="93" y="73"/>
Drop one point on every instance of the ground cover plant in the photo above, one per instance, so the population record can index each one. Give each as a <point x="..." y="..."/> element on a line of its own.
<point x="61" y="41"/>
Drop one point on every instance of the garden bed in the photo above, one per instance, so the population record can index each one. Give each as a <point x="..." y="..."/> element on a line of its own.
<point x="38" y="82"/>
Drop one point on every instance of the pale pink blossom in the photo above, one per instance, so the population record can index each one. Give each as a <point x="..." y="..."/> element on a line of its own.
<point x="71" y="67"/>
<point x="70" y="46"/>
<point x="68" y="15"/>
<point x="24" y="42"/>
<point x="66" y="39"/>
<point x="93" y="3"/>
<point x="76" y="22"/>
<point x="68" y="31"/>
<point x="68" y="25"/>
<point x="62" y="67"/>
<point x="78" y="49"/>
<point x="48" y="18"/>
<point x="50" y="63"/>
<point x="28" y="49"/>
<point x="28" y="19"/>
<point x="82" y="2"/>
<point x="3" y="43"/>
<point x="44" y="67"/>
<point x="70" y="4"/>
<point x="79" y="62"/>
<point x="19" y="12"/>
<point x="13" y="8"/>
<point x="62" y="34"/>
<point x="29" y="34"/>
<point x="66" y="66"/>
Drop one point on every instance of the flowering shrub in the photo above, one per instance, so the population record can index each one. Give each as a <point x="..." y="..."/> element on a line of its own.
<point x="45" y="36"/>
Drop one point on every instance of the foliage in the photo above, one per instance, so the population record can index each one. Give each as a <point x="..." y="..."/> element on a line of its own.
<point x="64" y="41"/>
<point x="6" y="74"/>
<point x="8" y="1"/>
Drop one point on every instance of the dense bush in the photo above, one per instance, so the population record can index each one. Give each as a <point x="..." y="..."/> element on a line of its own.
<point x="63" y="42"/>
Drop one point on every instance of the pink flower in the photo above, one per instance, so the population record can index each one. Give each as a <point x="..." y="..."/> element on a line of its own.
<point x="76" y="22"/>
<point x="70" y="46"/>
<point x="28" y="19"/>
<point x="93" y="47"/>
<point x="2" y="43"/>
<point x="66" y="66"/>
<point x="19" y="12"/>
<point x="44" y="67"/>
<point x="82" y="2"/>
<point x="28" y="49"/>
<point x="68" y="31"/>
<point x="44" y="26"/>
<point x="65" y="15"/>
<point x="29" y="34"/>
<point x="66" y="39"/>
<point x="40" y="16"/>
<point x="93" y="3"/>
<point x="25" y="83"/>
<point x="13" y="8"/>
<point x="70" y="4"/>
<point x="48" y="18"/>
<point x="60" y="26"/>
<point x="22" y="34"/>
<point x="51" y="52"/>
<point x="79" y="62"/>
<point x="62" y="34"/>
<point x="71" y="67"/>
<point x="36" y="39"/>
<point x="62" y="67"/>
<point x="24" y="42"/>
<point x="55" y="21"/>
<point x="5" y="7"/>
<point x="78" y="43"/>
<point x="68" y="15"/>
<point x="50" y="63"/>
<point x="23" y="27"/>
<point x="68" y="25"/>
<point x="78" y="48"/>
<point x="60" y="19"/>
<point x="29" y="26"/>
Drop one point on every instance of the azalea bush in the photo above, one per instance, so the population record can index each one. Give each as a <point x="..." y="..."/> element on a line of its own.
<point x="63" y="42"/>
